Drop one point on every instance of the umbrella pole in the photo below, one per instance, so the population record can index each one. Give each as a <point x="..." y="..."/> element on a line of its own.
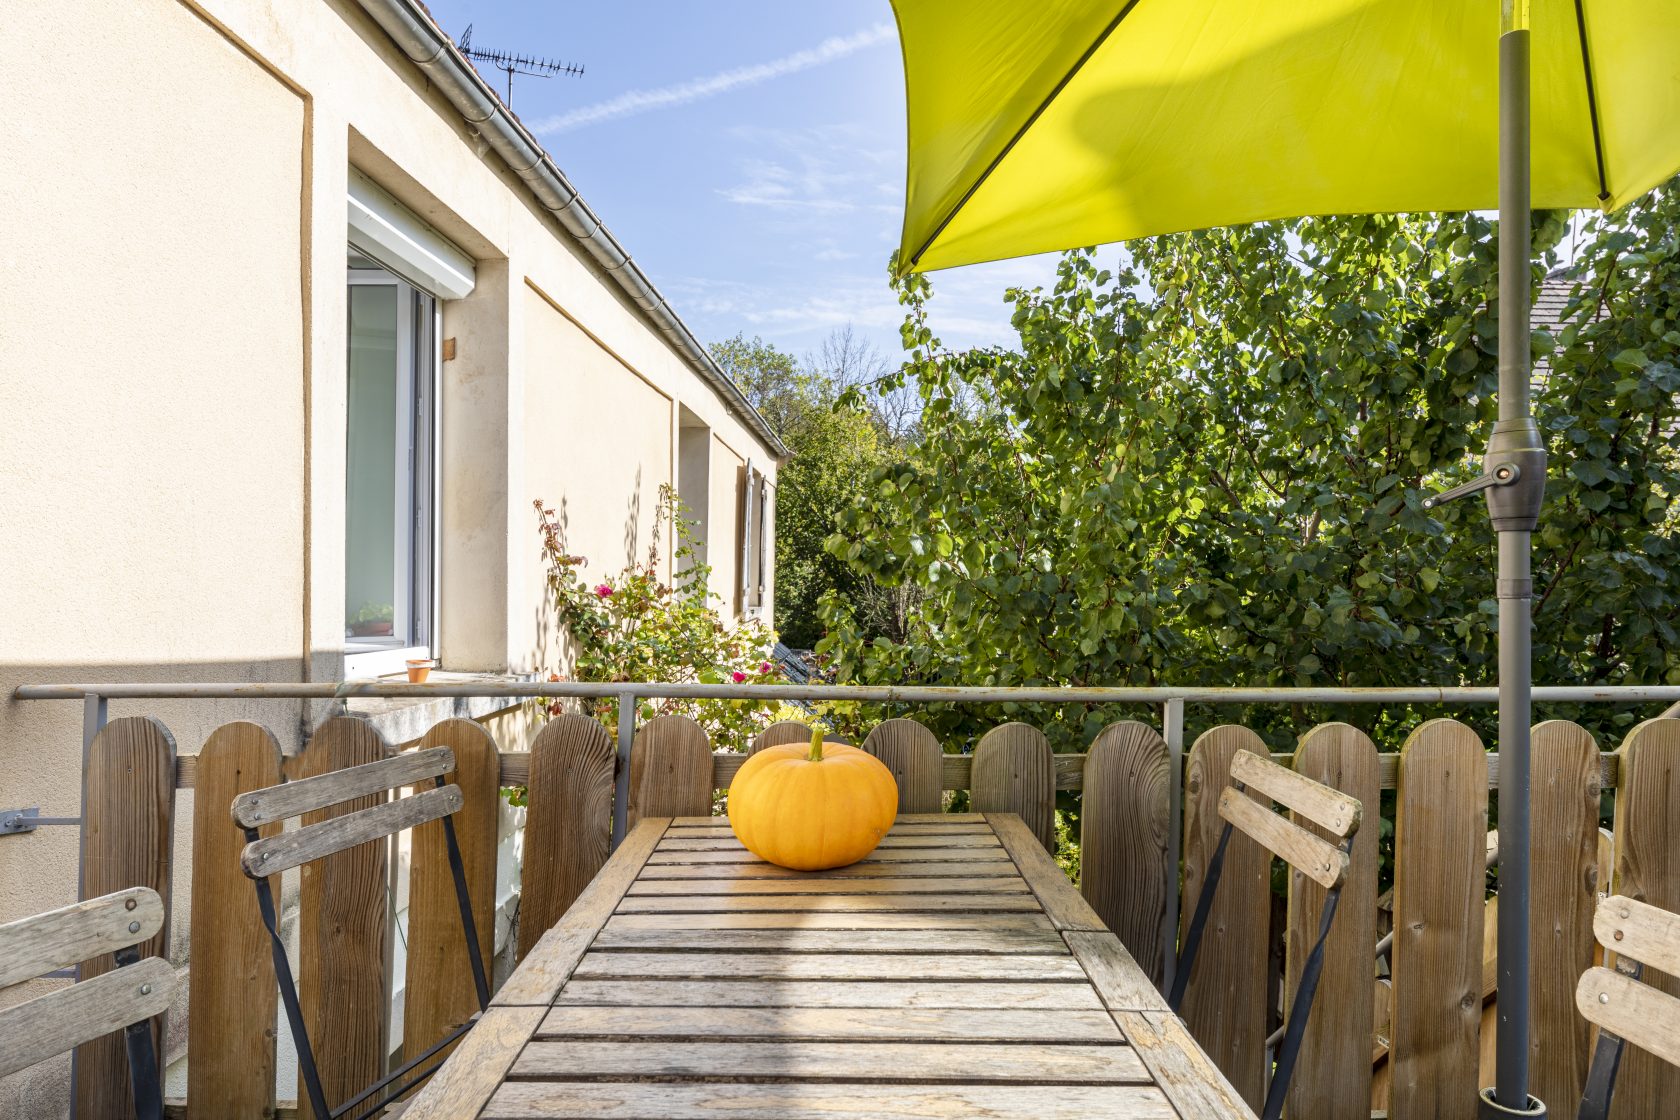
<point x="1516" y="460"/>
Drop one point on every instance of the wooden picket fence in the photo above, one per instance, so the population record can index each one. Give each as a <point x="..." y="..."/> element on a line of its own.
<point x="1408" y="1040"/>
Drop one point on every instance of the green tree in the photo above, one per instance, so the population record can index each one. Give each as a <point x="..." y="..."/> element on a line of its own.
<point x="833" y="446"/>
<point x="1207" y="468"/>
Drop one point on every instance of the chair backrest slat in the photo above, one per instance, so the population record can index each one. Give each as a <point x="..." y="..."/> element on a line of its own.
<point x="1330" y="809"/>
<point x="1311" y="855"/>
<point x="38" y="1029"/>
<point x="1639" y="1013"/>
<point x="278" y="853"/>
<point x="292" y="799"/>
<point x="78" y="932"/>
<point x="1639" y="931"/>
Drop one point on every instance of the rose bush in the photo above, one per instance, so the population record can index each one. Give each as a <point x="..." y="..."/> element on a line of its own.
<point x="636" y="626"/>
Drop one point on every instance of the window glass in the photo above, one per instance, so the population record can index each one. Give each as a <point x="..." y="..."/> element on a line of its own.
<point x="371" y="491"/>
<point x="388" y="482"/>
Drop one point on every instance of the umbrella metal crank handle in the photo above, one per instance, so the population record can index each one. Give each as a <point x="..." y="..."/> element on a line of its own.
<point x="1505" y="474"/>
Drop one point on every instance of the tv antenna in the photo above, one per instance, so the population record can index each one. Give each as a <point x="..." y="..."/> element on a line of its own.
<point x="512" y="64"/>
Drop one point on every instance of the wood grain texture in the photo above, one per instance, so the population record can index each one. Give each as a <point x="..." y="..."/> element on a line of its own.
<point x="1124" y="860"/>
<point x="781" y="733"/>
<point x="1014" y="773"/>
<point x="568" y="820"/>
<point x="964" y="1062"/>
<point x="342" y="928"/>
<point x="1311" y="855"/>
<point x="38" y="1029"/>
<point x="902" y="1024"/>
<point x="825" y="903"/>
<point x="1563" y="893"/>
<point x="776" y="964"/>
<point x="886" y="853"/>
<point x="551" y="959"/>
<point x="128" y="811"/>
<point x="670" y="770"/>
<point x="1225" y="1001"/>
<point x="1196" y="1087"/>
<point x="1639" y="932"/>
<point x="1647" y="868"/>
<point x="231" y="986"/>
<point x="1333" y="1075"/>
<point x="305" y="794"/>
<point x="1000" y="867"/>
<point x="71" y="934"/>
<point x="830" y="885"/>
<point x="295" y="847"/>
<point x="1439" y="891"/>
<point x="439" y="993"/>
<point x="703" y="1101"/>
<point x="459" y="1090"/>
<point x="1333" y="811"/>
<point x="1641" y="1015"/>
<point x="916" y="760"/>
<point x="972" y="839"/>
<point x="836" y="919"/>
<point x="1062" y="904"/>
<point x="1119" y="982"/>
<point x="967" y="944"/>
<point x="976" y="996"/>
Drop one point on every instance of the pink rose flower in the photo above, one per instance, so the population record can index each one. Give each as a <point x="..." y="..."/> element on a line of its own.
<point x="739" y="676"/>
<point x="604" y="590"/>
<point x="765" y="667"/>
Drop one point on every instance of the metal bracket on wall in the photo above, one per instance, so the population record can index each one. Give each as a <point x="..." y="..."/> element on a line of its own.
<point x="13" y="821"/>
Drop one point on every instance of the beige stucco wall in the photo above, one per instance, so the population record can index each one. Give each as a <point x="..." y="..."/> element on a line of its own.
<point x="599" y="458"/>
<point x="172" y="307"/>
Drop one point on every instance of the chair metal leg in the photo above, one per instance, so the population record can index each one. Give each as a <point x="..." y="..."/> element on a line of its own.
<point x="457" y="868"/>
<point x="1606" y="1060"/>
<point x="289" y="995"/>
<point x="1296" y="1030"/>
<point x="1204" y="905"/>
<point x="143" y="1079"/>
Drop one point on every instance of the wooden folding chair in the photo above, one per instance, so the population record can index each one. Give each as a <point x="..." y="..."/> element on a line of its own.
<point x="1614" y="1000"/>
<point x="125" y="999"/>
<point x="1316" y="858"/>
<point x="283" y="851"/>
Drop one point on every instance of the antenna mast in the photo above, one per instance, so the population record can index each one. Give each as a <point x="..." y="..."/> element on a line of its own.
<point x="512" y="64"/>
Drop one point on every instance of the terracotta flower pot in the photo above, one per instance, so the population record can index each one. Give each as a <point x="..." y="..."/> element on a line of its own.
<point x="418" y="669"/>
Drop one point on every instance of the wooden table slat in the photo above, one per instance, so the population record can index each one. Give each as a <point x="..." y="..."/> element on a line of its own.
<point x="837" y="1061"/>
<point x="978" y="996"/>
<point x="637" y="1101"/>
<point x="855" y="885"/>
<point x="857" y="1023"/>
<point x="739" y="964"/>
<point x="954" y="973"/>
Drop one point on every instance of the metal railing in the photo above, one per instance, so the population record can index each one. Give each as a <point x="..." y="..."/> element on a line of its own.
<point x="96" y="696"/>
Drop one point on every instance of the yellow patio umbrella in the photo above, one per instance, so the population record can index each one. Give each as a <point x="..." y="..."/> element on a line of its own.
<point x="1054" y="124"/>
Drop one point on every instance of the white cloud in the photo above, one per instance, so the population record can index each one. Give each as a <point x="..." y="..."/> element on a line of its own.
<point x="668" y="97"/>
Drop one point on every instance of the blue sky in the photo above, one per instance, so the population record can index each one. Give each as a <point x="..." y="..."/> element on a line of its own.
<point x="748" y="153"/>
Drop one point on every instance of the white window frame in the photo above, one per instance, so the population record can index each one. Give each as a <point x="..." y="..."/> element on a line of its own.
<point x="755" y="489"/>
<point x="415" y="559"/>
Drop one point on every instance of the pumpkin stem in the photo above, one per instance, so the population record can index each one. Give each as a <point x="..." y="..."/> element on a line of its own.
<point x="816" y="745"/>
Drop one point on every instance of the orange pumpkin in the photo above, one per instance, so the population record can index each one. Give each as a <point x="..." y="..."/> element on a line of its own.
<point x="812" y="809"/>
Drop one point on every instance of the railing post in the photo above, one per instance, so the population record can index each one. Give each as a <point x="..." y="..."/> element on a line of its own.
<point x="1172" y="730"/>
<point x="621" y="773"/>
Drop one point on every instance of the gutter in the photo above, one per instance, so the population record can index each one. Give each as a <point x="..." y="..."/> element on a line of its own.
<point x="426" y="45"/>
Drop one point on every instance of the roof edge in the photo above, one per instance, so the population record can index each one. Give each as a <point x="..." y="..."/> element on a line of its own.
<point x="427" y="46"/>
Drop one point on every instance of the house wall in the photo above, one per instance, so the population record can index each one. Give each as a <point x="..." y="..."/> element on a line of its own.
<point x="172" y="315"/>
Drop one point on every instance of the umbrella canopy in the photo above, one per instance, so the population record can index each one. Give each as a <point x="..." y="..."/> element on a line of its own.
<point x="1046" y="125"/>
<point x="1059" y="123"/>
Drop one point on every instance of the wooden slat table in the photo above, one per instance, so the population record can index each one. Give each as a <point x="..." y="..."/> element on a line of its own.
<point x="953" y="973"/>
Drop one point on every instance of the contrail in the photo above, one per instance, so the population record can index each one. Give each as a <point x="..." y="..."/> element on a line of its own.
<point x="666" y="97"/>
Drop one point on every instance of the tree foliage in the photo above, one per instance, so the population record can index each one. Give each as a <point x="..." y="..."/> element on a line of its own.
<point x="833" y="446"/>
<point x="1206" y="468"/>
